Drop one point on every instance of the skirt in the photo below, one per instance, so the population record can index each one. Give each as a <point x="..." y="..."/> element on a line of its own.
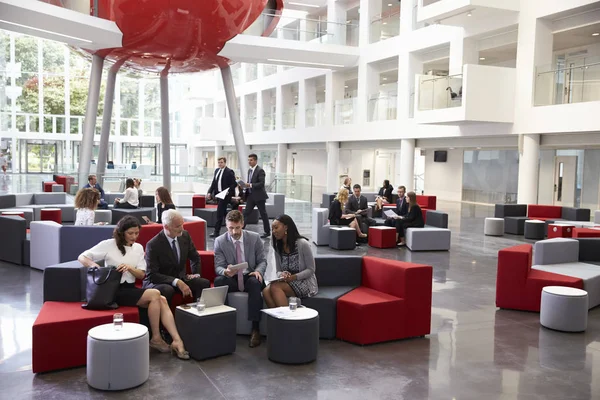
<point x="128" y="295"/>
<point x="344" y="222"/>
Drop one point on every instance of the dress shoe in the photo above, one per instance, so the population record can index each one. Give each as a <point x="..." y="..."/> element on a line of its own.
<point x="255" y="339"/>
<point x="265" y="235"/>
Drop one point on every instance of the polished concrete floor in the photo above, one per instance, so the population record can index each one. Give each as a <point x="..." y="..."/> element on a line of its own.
<point x="474" y="351"/>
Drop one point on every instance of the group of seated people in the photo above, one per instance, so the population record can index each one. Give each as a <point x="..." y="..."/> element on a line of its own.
<point x="162" y="269"/>
<point x="131" y="199"/>
<point x="352" y="210"/>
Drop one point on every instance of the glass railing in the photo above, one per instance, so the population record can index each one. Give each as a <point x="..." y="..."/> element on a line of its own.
<point x="344" y="111"/>
<point x="383" y="106"/>
<point x="305" y="30"/>
<point x="251" y="72"/>
<point x="268" y="122"/>
<point x="488" y="197"/>
<point x="269" y="69"/>
<point x="386" y="25"/>
<point x="289" y="118"/>
<point x="315" y="115"/>
<point x="437" y="92"/>
<point x="576" y="82"/>
<point x="251" y="124"/>
<point x="297" y="187"/>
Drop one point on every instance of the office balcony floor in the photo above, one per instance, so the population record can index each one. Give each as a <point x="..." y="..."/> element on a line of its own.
<point x="474" y="351"/>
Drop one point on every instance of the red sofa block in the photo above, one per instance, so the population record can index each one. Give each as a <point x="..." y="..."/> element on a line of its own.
<point x="585" y="232"/>
<point x="48" y="186"/>
<point x="60" y="333"/>
<point x="62" y="180"/>
<point x="207" y="258"/>
<point x="196" y="229"/>
<point x="198" y="201"/>
<point x="541" y="212"/>
<point x="519" y="287"/>
<point x="427" y="202"/>
<point x="393" y="302"/>
<point x="382" y="237"/>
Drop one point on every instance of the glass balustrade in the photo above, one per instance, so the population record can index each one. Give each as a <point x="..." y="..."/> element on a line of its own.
<point x="383" y="106"/>
<point x="251" y="124"/>
<point x="315" y="115"/>
<point x="568" y="82"/>
<point x="289" y="118"/>
<point x="268" y="122"/>
<point x="344" y="111"/>
<point x="386" y="25"/>
<point x="305" y="29"/>
<point x="437" y="92"/>
<point x="269" y="69"/>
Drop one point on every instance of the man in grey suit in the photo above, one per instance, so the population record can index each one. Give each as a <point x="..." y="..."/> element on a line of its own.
<point x="256" y="195"/>
<point x="235" y="247"/>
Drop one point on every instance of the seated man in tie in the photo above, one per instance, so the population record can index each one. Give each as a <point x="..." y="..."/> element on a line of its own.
<point x="93" y="183"/>
<point x="235" y="247"/>
<point x="166" y="256"/>
<point x="401" y="209"/>
<point x="224" y="178"/>
<point x="357" y="204"/>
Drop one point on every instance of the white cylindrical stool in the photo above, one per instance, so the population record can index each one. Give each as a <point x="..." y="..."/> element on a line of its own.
<point x="493" y="227"/>
<point x="117" y="360"/>
<point x="564" y="309"/>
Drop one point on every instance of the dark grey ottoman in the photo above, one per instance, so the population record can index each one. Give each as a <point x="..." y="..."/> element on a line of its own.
<point x="342" y="238"/>
<point x="207" y="214"/>
<point x="118" y="213"/>
<point x="535" y="229"/>
<point x="208" y="334"/>
<point x="293" y="341"/>
<point x="514" y="225"/>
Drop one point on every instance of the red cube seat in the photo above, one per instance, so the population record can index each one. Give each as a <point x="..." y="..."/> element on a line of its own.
<point x="51" y="214"/>
<point x="560" y="231"/>
<point x="585" y="232"/>
<point x="60" y="333"/>
<point x="198" y="201"/>
<point x="62" y="180"/>
<point x="48" y="186"/>
<point x="382" y="237"/>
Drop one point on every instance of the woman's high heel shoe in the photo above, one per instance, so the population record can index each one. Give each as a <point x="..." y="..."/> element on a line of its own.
<point x="362" y="235"/>
<point x="162" y="347"/>
<point x="184" y="355"/>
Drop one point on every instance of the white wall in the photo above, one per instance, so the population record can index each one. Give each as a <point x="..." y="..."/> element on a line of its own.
<point x="444" y="180"/>
<point x="546" y="177"/>
<point x="353" y="162"/>
<point x="310" y="162"/>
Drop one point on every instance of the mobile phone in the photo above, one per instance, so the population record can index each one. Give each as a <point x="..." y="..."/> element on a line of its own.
<point x="186" y="306"/>
<point x="146" y="219"/>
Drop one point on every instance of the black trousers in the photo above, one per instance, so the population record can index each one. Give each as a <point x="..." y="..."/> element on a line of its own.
<point x="262" y="209"/>
<point x="221" y="212"/>
<point x="364" y="223"/>
<point x="124" y="205"/>
<point x="251" y="286"/>
<point x="196" y="285"/>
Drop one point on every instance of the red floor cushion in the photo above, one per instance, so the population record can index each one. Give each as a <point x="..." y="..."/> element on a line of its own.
<point x="60" y="333"/>
<point x="585" y="232"/>
<point x="367" y="316"/>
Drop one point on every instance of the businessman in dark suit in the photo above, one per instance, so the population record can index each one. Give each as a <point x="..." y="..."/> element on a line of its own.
<point x="224" y="178"/>
<point x="357" y="205"/>
<point x="256" y="195"/>
<point x="401" y="208"/>
<point x="166" y="256"/>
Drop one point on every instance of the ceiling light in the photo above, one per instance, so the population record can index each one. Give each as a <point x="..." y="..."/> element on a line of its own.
<point x="385" y="23"/>
<point x="595" y="34"/>
<point x="481" y="58"/>
<point x="303" y="4"/>
<point x="46" y="31"/>
<point x="469" y="14"/>
<point x="306" y="63"/>
<point x="346" y="86"/>
<point x="390" y="4"/>
<point x="384" y="78"/>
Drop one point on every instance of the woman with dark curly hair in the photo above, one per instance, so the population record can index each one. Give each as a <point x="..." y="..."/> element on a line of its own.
<point x="127" y="256"/>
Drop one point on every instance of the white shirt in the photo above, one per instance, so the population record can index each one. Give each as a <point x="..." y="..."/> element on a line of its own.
<point x="108" y="251"/>
<point x="220" y="175"/>
<point x="241" y="241"/>
<point x="170" y="239"/>
<point x="85" y="216"/>
<point x="252" y="175"/>
<point x="131" y="197"/>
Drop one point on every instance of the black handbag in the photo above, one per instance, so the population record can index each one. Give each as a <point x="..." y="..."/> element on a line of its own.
<point x="101" y="288"/>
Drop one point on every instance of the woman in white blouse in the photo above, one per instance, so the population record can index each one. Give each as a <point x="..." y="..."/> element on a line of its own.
<point x="128" y="257"/>
<point x="86" y="203"/>
<point x="131" y="198"/>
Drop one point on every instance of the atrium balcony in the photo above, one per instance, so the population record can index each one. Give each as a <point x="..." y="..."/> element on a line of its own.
<point x="480" y="94"/>
<point x="463" y="13"/>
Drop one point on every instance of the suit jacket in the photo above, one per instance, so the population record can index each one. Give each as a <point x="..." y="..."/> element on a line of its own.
<point x="386" y="193"/>
<point x="335" y="213"/>
<point x="354" y="204"/>
<point x="401" y="206"/>
<point x="414" y="218"/>
<point x="162" y="266"/>
<point x="254" y="253"/>
<point x="257" y="192"/>
<point x="97" y="187"/>
<point x="227" y="181"/>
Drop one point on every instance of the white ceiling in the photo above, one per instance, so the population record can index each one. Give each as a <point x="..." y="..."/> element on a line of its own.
<point x="577" y="37"/>
<point x="498" y="54"/>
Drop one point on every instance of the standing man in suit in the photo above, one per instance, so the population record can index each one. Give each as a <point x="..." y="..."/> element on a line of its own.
<point x="256" y="194"/>
<point x="357" y="204"/>
<point x="93" y="183"/>
<point x="166" y="256"/>
<point x="235" y="247"/>
<point x="224" y="178"/>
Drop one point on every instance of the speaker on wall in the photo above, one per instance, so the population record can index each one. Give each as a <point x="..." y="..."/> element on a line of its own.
<point x="440" y="156"/>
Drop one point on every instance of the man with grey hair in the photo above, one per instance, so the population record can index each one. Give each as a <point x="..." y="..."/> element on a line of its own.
<point x="166" y="257"/>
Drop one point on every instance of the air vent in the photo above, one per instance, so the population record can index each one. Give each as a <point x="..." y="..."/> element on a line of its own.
<point x="577" y="53"/>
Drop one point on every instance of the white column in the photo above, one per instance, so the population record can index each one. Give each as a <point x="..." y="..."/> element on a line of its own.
<point x="369" y="9"/>
<point x="368" y="84"/>
<point x="333" y="161"/>
<point x="334" y="90"/>
<point x="282" y="158"/>
<point x="407" y="164"/>
<point x="278" y="108"/>
<point x="407" y="20"/>
<point x="336" y="22"/>
<point x="529" y="154"/>
<point x="218" y="152"/>
<point x="408" y="68"/>
<point x="302" y="104"/>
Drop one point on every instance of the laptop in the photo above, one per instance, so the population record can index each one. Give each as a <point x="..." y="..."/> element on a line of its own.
<point x="214" y="297"/>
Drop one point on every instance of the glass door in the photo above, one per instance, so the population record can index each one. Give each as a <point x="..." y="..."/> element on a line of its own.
<point x="41" y="157"/>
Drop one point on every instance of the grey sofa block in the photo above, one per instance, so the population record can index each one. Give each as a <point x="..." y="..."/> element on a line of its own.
<point x="555" y="251"/>
<point x="111" y="197"/>
<point x="24" y="199"/>
<point x="320" y="226"/>
<point x="28" y="212"/>
<point x="58" y="188"/>
<point x="65" y="282"/>
<point x="207" y="214"/>
<point x="576" y="214"/>
<point x="45" y="244"/>
<point x="327" y="199"/>
<point x="8" y="201"/>
<point x="428" y="239"/>
<point x="118" y="213"/>
<point x="597" y="217"/>
<point x="325" y="302"/>
<point x="27" y="252"/>
<point x="239" y="301"/>
<point x="437" y="219"/>
<point x="147" y="200"/>
<point x="514" y="225"/>
<point x="334" y="270"/>
<point x="371" y="196"/>
<point x="12" y="235"/>
<point x="342" y="238"/>
<point x="49" y="198"/>
<point x="510" y="210"/>
<point x="589" y="249"/>
<point x="74" y="240"/>
<point x="275" y="205"/>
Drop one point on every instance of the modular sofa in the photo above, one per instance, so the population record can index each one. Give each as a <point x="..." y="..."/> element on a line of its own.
<point x="13" y="234"/>
<point x="31" y="205"/>
<point x="434" y="236"/>
<point x="320" y="226"/>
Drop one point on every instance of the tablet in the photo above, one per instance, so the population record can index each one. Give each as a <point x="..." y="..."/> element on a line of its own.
<point x="237" y="267"/>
